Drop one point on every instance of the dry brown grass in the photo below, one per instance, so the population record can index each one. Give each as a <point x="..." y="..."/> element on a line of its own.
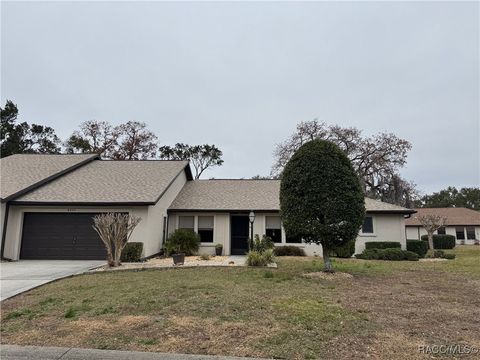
<point x="379" y="309"/>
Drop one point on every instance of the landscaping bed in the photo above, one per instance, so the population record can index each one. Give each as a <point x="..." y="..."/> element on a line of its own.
<point x="385" y="309"/>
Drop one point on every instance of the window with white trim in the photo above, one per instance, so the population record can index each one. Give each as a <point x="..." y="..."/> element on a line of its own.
<point x="471" y="232"/>
<point x="205" y="229"/>
<point x="367" y="226"/>
<point x="460" y="232"/>
<point x="273" y="228"/>
<point x="186" y="223"/>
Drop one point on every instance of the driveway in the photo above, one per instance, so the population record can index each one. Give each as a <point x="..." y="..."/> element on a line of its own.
<point x="19" y="276"/>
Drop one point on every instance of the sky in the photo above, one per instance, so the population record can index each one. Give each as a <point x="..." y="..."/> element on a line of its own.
<point x="242" y="75"/>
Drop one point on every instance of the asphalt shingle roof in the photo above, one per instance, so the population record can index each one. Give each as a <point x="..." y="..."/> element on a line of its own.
<point x="104" y="181"/>
<point x="246" y="195"/>
<point x="22" y="171"/>
<point x="455" y="216"/>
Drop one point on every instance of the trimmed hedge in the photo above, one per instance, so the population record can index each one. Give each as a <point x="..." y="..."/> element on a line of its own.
<point x="393" y="254"/>
<point x="288" y="250"/>
<point x="418" y="246"/>
<point x="382" y="245"/>
<point x="345" y="251"/>
<point x="132" y="252"/>
<point x="441" y="241"/>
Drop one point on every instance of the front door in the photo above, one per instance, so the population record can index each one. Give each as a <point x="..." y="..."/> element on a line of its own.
<point x="239" y="226"/>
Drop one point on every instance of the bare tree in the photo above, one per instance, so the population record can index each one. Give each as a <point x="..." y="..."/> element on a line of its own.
<point x="431" y="223"/>
<point x="135" y="142"/>
<point x="376" y="159"/>
<point x="115" y="230"/>
<point x="94" y="137"/>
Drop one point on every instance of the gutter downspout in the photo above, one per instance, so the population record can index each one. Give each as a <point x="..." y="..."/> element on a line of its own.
<point x="4" y="230"/>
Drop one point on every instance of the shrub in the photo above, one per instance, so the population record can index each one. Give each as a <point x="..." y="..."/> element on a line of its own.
<point x="393" y="254"/>
<point x="440" y="254"/>
<point x="182" y="241"/>
<point x="418" y="246"/>
<point x="345" y="251"/>
<point x="288" y="250"/>
<point x="262" y="244"/>
<point x="257" y="258"/>
<point x="132" y="252"/>
<point x="441" y="241"/>
<point x="205" y="257"/>
<point x="382" y="245"/>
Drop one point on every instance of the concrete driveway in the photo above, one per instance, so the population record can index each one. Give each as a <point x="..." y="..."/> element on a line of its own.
<point x="17" y="277"/>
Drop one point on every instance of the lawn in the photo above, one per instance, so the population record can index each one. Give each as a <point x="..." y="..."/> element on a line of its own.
<point x="386" y="310"/>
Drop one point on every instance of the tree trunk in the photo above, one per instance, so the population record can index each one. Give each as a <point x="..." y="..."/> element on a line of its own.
<point x="430" y="241"/>
<point x="118" y="254"/>
<point x="327" y="262"/>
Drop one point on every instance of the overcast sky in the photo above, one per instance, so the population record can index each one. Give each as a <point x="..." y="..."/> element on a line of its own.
<point x="242" y="75"/>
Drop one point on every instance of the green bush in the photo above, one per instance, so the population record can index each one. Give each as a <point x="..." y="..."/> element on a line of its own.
<point x="345" y="251"/>
<point x="440" y="254"/>
<point x="205" y="257"/>
<point x="441" y="241"/>
<point x="262" y="244"/>
<point x="393" y="254"/>
<point x="132" y="252"/>
<point x="257" y="258"/>
<point x="417" y="246"/>
<point x="382" y="245"/>
<point x="182" y="241"/>
<point x="288" y="250"/>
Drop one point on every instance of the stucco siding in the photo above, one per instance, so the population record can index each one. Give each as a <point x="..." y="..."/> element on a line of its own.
<point x="416" y="232"/>
<point x="386" y="228"/>
<point x="15" y="223"/>
<point x="153" y="241"/>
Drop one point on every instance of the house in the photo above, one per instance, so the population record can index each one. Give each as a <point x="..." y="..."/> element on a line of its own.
<point x="48" y="201"/>
<point x="462" y="223"/>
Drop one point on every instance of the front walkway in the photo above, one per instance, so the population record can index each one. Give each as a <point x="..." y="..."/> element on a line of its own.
<point x="15" y="352"/>
<point x="19" y="276"/>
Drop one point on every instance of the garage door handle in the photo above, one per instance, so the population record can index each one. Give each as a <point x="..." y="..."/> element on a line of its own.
<point x="74" y="239"/>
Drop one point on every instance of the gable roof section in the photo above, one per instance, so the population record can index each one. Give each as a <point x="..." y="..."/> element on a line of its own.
<point x="106" y="182"/>
<point x="244" y="195"/>
<point x="21" y="173"/>
<point x="455" y="216"/>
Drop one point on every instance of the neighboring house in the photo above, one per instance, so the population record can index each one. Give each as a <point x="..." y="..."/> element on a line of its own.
<point x="462" y="223"/>
<point x="48" y="201"/>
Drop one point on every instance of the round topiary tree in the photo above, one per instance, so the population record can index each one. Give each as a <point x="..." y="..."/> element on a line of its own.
<point x="321" y="199"/>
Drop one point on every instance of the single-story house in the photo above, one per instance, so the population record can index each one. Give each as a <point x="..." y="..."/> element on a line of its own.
<point x="48" y="203"/>
<point x="462" y="223"/>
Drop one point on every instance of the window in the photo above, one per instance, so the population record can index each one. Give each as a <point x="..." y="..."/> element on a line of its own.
<point x="186" y="222"/>
<point x="205" y="228"/>
<point x="471" y="232"/>
<point x="273" y="228"/>
<point x="441" y="230"/>
<point x="367" y="227"/>
<point x="460" y="233"/>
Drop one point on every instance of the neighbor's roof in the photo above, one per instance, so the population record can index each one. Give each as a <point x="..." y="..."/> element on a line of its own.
<point x="22" y="172"/>
<point x="455" y="216"/>
<point x="243" y="194"/>
<point x="110" y="182"/>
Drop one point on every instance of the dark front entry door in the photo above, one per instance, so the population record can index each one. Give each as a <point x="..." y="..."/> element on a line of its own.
<point x="239" y="226"/>
<point x="61" y="236"/>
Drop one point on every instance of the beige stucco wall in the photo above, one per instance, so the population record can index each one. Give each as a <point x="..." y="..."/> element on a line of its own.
<point x="15" y="223"/>
<point x="416" y="232"/>
<point x="153" y="240"/>
<point x="149" y="230"/>
<point x="386" y="228"/>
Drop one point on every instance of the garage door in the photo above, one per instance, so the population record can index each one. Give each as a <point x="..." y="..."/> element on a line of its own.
<point x="60" y="236"/>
